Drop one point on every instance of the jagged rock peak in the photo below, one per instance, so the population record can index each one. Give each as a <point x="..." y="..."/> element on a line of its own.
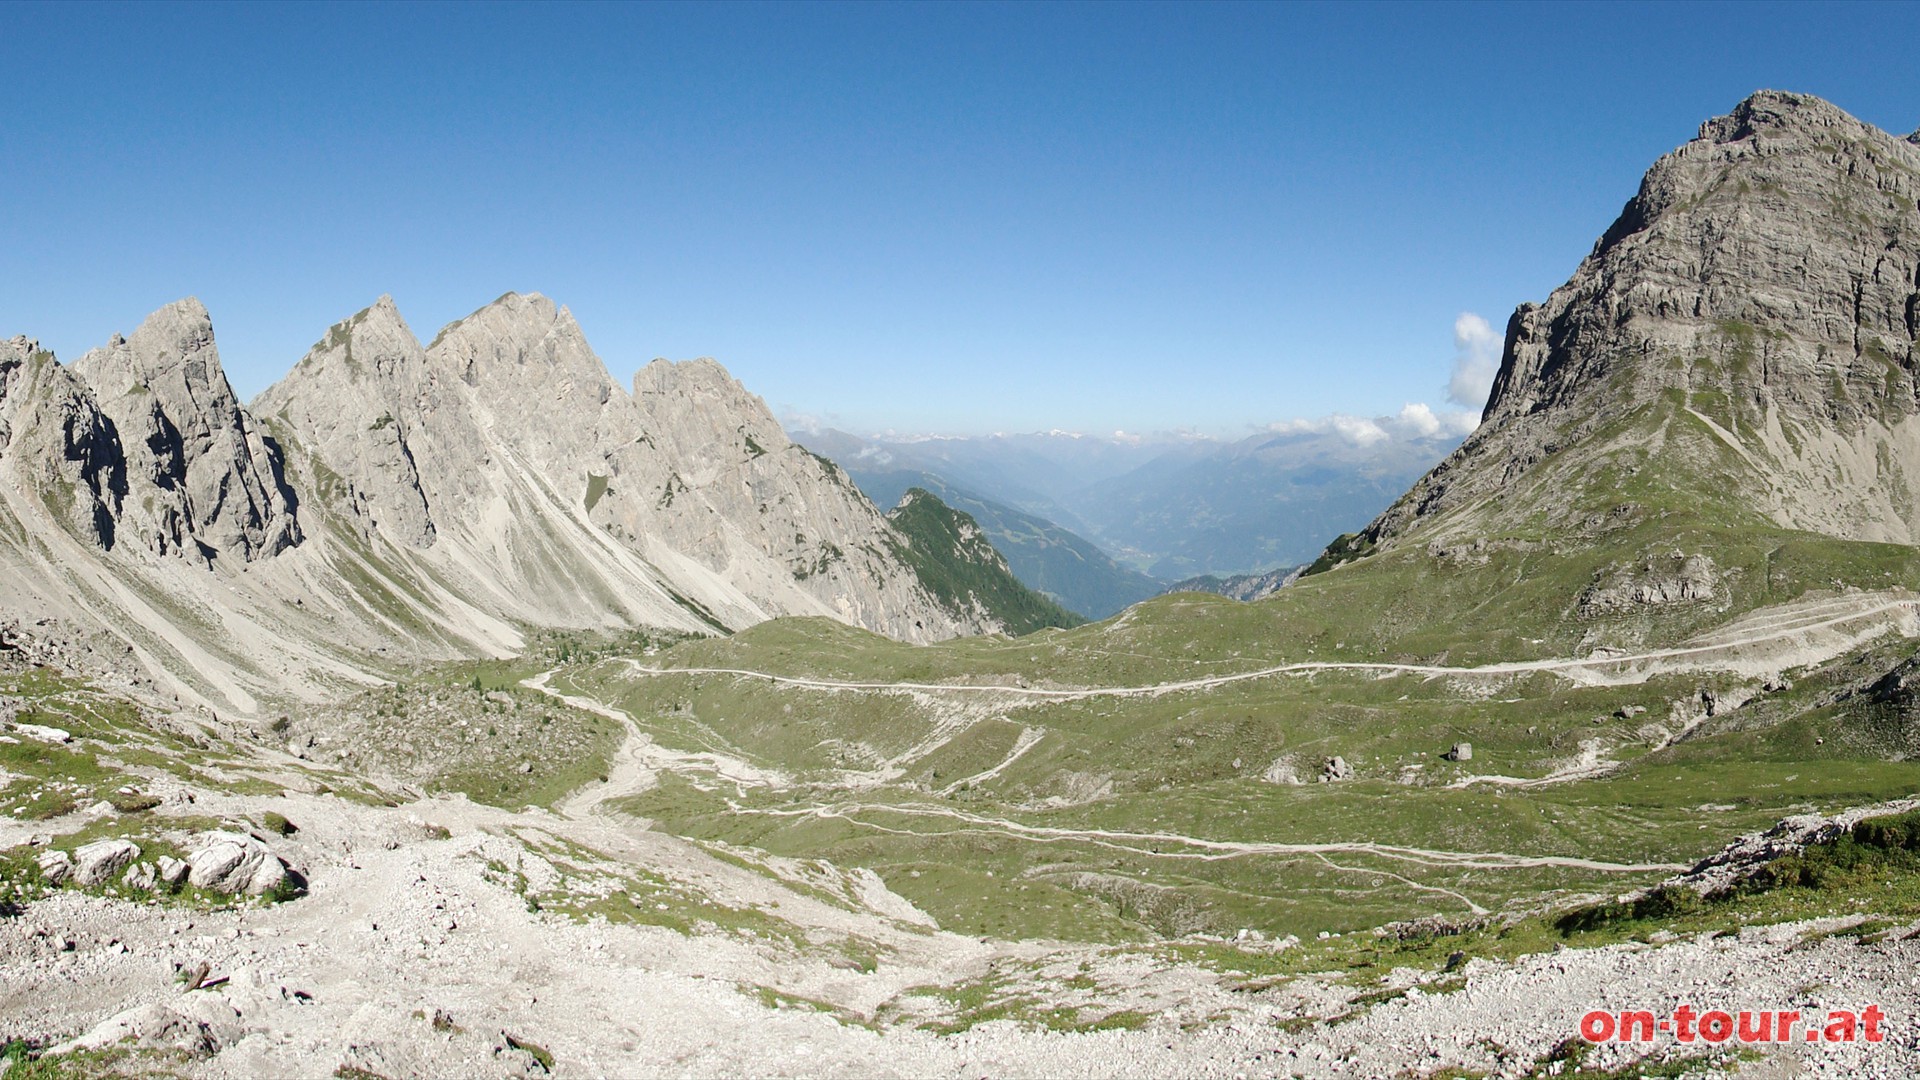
<point x="521" y="337"/>
<point x="374" y="339"/>
<point x="216" y="485"/>
<point x="170" y="340"/>
<point x="1787" y="218"/>
<point x="355" y="400"/>
<point x="527" y="308"/>
<point x="1766" y="278"/>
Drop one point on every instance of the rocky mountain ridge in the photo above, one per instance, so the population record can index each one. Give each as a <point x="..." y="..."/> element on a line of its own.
<point x="1759" y="301"/>
<point x="1243" y="587"/>
<point x="387" y="503"/>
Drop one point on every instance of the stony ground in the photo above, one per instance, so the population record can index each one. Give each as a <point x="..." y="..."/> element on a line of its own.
<point x="440" y="937"/>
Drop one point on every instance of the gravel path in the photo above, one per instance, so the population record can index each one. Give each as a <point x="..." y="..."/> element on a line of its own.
<point x="1880" y="613"/>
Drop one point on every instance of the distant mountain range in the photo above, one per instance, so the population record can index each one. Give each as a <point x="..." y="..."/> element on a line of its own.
<point x="1103" y="522"/>
<point x="1043" y="555"/>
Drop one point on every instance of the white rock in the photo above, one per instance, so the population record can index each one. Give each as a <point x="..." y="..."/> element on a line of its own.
<point x="44" y="734"/>
<point x="171" y="871"/>
<point x="55" y="866"/>
<point x="199" y="1026"/>
<point x="97" y="863"/>
<point x="234" y="863"/>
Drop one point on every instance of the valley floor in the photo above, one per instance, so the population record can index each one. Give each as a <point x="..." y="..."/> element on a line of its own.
<point x="440" y="936"/>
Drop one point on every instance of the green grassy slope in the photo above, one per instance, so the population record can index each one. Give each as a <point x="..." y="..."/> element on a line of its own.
<point x="959" y="565"/>
<point x="1044" y="556"/>
<point x="991" y="842"/>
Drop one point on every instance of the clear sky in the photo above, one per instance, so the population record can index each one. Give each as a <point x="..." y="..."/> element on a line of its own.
<point x="953" y="218"/>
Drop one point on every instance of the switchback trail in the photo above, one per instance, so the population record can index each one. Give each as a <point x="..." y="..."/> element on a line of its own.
<point x="633" y="769"/>
<point x="1563" y="665"/>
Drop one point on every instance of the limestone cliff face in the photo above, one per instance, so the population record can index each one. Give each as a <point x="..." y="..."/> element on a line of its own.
<point x="203" y="482"/>
<point x="364" y="387"/>
<point x="1765" y="285"/>
<point x="798" y="519"/>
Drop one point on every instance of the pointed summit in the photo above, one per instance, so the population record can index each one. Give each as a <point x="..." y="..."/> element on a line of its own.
<point x="1758" y="300"/>
<point x="159" y="351"/>
<point x="376" y="336"/>
<point x="218" y="489"/>
<point x="521" y="338"/>
<point x="354" y="399"/>
<point x="534" y="379"/>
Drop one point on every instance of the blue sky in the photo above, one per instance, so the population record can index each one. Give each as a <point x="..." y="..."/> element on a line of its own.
<point x="954" y="218"/>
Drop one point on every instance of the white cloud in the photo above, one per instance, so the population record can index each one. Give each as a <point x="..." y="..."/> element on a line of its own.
<point x="1417" y="416"/>
<point x="1420" y="419"/>
<point x="1415" y="420"/>
<point x="794" y="419"/>
<point x="1476" y="359"/>
<point x="1357" y="430"/>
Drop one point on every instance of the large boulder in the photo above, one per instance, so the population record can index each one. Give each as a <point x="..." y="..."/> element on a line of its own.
<point x="230" y="862"/>
<point x="171" y="872"/>
<point x="142" y="877"/>
<point x="103" y="860"/>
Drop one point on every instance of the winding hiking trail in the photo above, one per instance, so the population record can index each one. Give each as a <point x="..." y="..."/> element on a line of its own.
<point x="627" y="771"/>
<point x="1900" y="612"/>
<point x="1797" y="627"/>
<point x="638" y="758"/>
<point x="1211" y="850"/>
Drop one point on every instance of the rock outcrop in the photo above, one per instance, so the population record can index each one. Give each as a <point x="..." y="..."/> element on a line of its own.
<point x="101" y="861"/>
<point x="232" y="862"/>
<point x="56" y="447"/>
